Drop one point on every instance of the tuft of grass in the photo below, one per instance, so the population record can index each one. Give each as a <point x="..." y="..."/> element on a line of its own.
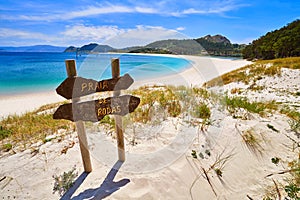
<point x="293" y="185"/>
<point x="202" y="111"/>
<point x="4" y="132"/>
<point x="294" y="121"/>
<point x="218" y="172"/>
<point x="64" y="182"/>
<point x="295" y="125"/>
<point x="153" y="98"/>
<point x="194" y="154"/>
<point x="275" y="160"/>
<point x="6" y="147"/>
<point x="292" y="191"/>
<point x="174" y="108"/>
<point x="108" y="120"/>
<point x="251" y="141"/>
<point x="293" y="114"/>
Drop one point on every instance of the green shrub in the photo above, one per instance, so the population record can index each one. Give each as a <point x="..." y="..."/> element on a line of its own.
<point x="201" y="111"/>
<point x="7" y="147"/>
<point x="292" y="191"/>
<point x="4" y="133"/>
<point x="174" y="108"/>
<point x="275" y="160"/>
<point x="64" y="182"/>
<point x="194" y="154"/>
<point x="108" y="120"/>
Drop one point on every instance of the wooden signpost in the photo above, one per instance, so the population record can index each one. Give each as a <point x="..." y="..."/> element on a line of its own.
<point x="95" y="110"/>
<point x="75" y="87"/>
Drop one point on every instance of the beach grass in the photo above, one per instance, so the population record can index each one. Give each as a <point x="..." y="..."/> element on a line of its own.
<point x="154" y="99"/>
<point x="255" y="71"/>
<point x="252" y="141"/>
<point x="235" y="103"/>
<point x="30" y="127"/>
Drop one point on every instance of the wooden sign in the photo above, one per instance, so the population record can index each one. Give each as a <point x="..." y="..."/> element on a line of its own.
<point x="73" y="87"/>
<point x="95" y="110"/>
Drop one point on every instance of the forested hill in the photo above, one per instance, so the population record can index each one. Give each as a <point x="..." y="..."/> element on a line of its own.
<point x="90" y="48"/>
<point x="217" y="45"/>
<point x="281" y="43"/>
<point x="220" y="46"/>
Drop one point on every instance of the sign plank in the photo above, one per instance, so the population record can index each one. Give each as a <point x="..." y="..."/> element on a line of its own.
<point x="95" y="110"/>
<point x="73" y="87"/>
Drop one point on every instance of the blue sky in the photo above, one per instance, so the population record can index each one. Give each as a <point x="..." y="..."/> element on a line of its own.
<point x="129" y="22"/>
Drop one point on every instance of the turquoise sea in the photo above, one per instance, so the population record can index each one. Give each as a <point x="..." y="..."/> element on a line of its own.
<point x="24" y="72"/>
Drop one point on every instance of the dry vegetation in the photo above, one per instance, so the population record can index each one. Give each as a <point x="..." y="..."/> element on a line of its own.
<point x="17" y="132"/>
<point x="255" y="71"/>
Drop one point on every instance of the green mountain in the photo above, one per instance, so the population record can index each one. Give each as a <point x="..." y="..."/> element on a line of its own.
<point x="212" y="45"/>
<point x="281" y="43"/>
<point x="177" y="46"/>
<point x="90" y="48"/>
<point x="219" y="45"/>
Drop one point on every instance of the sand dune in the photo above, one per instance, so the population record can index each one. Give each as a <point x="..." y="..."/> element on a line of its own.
<point x="161" y="166"/>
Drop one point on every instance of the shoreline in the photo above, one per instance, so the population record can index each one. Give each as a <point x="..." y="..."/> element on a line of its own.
<point x="21" y="103"/>
<point x="201" y="69"/>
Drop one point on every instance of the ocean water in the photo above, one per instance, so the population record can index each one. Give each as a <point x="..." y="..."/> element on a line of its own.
<point x="24" y="72"/>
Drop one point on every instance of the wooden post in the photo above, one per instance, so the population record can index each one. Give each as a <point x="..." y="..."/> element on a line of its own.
<point x="115" y="70"/>
<point x="83" y="144"/>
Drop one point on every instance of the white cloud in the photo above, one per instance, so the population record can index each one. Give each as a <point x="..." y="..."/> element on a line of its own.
<point x="96" y="33"/>
<point x="93" y="10"/>
<point x="14" y="33"/>
<point x="143" y="35"/>
<point x="208" y="7"/>
<point x="84" y="12"/>
<point x="181" y="28"/>
<point x="163" y="8"/>
<point x="79" y="35"/>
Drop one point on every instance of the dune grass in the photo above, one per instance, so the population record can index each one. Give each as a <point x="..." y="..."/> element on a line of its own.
<point x="252" y="141"/>
<point x="255" y="71"/>
<point x="30" y="127"/>
<point x="234" y="104"/>
<point x="154" y="99"/>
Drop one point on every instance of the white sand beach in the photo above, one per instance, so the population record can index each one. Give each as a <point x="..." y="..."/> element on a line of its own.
<point x="160" y="166"/>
